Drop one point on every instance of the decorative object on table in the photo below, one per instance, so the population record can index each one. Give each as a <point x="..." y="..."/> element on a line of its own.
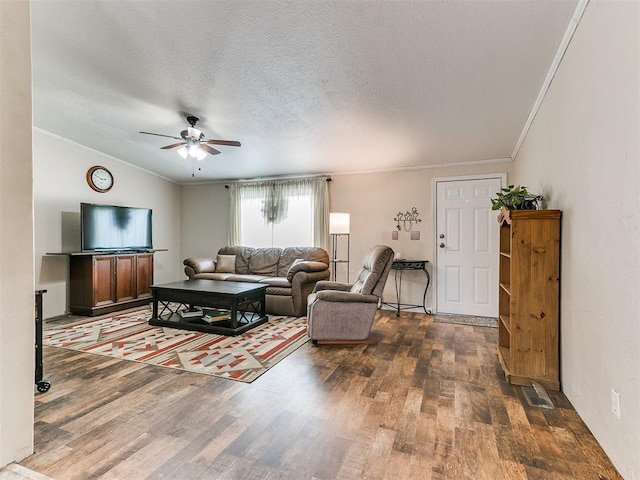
<point x="407" y="219"/>
<point x="100" y="179"/>
<point x="514" y="198"/>
<point x="339" y="225"/>
<point x="192" y="142"/>
<point x="128" y="336"/>
<point x="343" y="313"/>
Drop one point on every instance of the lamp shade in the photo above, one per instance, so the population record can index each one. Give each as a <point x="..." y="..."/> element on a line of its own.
<point x="183" y="151"/>
<point x="339" y="223"/>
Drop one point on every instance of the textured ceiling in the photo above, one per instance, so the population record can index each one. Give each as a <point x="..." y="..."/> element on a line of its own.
<point x="306" y="86"/>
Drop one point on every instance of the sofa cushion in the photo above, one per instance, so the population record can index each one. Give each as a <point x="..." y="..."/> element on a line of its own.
<point x="212" y="276"/>
<point x="276" y="282"/>
<point x="264" y="261"/>
<point x="226" y="264"/>
<point x="243" y="254"/>
<point x="244" y="278"/>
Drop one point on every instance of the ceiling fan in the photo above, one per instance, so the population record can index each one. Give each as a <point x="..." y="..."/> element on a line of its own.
<point x="193" y="142"/>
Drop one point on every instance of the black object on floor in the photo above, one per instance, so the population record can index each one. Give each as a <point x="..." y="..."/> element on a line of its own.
<point x="41" y="384"/>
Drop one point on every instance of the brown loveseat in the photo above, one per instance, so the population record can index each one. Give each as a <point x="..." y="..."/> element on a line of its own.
<point x="290" y="273"/>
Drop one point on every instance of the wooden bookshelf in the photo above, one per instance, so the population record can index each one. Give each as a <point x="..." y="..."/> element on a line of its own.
<point x="528" y="298"/>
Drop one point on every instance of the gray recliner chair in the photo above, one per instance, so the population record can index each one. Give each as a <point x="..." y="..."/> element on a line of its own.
<point x="343" y="312"/>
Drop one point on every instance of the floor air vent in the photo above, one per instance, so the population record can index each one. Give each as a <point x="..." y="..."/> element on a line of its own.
<point x="537" y="396"/>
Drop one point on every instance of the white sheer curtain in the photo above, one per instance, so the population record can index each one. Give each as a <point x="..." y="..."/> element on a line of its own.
<point x="276" y="204"/>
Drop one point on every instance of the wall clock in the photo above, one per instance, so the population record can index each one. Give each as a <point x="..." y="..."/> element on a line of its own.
<point x="100" y="179"/>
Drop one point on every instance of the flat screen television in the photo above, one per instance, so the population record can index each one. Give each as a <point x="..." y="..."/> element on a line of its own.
<point x="105" y="228"/>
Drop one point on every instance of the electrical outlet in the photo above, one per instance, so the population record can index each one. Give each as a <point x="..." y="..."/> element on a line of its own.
<point x="615" y="403"/>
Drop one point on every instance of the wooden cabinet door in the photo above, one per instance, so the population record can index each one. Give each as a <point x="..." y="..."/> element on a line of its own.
<point x="104" y="284"/>
<point x="125" y="278"/>
<point x="144" y="277"/>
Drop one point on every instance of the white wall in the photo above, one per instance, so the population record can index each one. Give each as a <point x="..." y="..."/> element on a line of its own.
<point x="582" y="154"/>
<point x="17" y="362"/>
<point x="60" y="185"/>
<point x="205" y="219"/>
<point x="373" y="200"/>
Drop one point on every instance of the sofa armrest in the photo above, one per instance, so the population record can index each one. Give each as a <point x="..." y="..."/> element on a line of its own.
<point x="195" y="265"/>
<point x="306" y="266"/>
<point x="302" y="285"/>
<point x="329" y="285"/>
<point x="346" y="297"/>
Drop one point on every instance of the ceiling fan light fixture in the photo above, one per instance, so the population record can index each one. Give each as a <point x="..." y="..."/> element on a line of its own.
<point x="194" y="133"/>
<point x="193" y="142"/>
<point x="183" y="152"/>
<point x="194" y="149"/>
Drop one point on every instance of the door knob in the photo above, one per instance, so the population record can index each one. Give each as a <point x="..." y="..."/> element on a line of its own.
<point x="442" y="245"/>
<point x="442" y="235"/>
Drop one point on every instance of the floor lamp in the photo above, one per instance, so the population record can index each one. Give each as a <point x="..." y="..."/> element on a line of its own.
<point x="339" y="226"/>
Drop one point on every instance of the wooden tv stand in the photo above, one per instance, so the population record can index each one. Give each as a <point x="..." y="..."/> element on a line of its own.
<point x="107" y="282"/>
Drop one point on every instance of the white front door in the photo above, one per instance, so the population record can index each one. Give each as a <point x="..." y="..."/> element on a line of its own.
<point x="467" y="235"/>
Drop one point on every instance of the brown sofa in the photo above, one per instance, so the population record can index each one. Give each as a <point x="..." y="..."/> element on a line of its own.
<point x="290" y="273"/>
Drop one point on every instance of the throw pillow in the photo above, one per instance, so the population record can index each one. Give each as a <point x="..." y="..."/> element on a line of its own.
<point x="226" y="264"/>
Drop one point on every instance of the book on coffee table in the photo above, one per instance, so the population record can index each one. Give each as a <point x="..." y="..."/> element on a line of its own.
<point x="191" y="313"/>
<point x="209" y="315"/>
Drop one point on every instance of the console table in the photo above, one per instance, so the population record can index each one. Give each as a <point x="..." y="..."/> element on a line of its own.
<point x="399" y="266"/>
<point x="104" y="282"/>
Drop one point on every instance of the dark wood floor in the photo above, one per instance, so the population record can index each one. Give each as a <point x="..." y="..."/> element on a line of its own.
<point x="428" y="402"/>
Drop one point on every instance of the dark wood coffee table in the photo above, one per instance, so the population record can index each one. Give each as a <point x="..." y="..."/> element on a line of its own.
<point x="244" y="303"/>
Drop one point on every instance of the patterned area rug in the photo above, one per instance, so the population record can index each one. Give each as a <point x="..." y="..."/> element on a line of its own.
<point x="466" y="320"/>
<point x="128" y="336"/>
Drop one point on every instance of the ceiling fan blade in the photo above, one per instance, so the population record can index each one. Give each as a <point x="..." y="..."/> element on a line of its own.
<point x="173" y="145"/>
<point x="228" y="143"/>
<point x="160" y="135"/>
<point x="208" y="149"/>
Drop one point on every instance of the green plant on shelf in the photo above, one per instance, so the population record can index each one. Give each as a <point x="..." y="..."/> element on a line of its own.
<point x="516" y="198"/>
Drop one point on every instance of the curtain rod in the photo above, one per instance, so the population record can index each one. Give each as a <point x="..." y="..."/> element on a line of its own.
<point x="328" y="179"/>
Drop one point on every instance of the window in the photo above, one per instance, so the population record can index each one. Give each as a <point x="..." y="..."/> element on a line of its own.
<point x="279" y="213"/>
<point x="296" y="228"/>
